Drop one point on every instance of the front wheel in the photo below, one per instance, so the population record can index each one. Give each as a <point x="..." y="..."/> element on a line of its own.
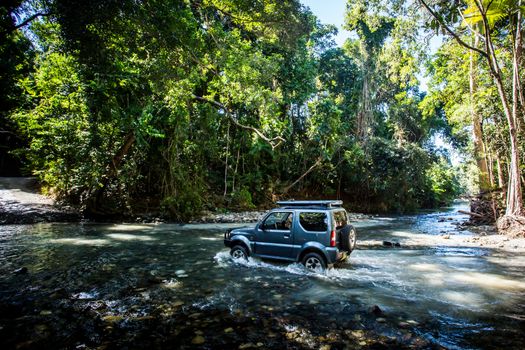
<point x="239" y="252"/>
<point x="314" y="262"/>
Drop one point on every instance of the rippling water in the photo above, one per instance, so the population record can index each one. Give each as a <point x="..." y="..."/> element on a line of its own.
<point x="457" y="297"/>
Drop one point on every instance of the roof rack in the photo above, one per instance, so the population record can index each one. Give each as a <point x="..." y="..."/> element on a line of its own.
<point x="306" y="203"/>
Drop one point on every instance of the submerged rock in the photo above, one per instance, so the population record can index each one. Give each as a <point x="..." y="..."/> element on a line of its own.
<point x="198" y="340"/>
<point x="391" y="244"/>
<point x="376" y="310"/>
<point x="20" y="271"/>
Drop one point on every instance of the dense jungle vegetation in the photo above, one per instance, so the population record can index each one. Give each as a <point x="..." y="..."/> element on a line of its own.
<point x="181" y="106"/>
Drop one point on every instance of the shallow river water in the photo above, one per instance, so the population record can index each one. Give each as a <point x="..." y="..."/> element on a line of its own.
<point x="158" y="286"/>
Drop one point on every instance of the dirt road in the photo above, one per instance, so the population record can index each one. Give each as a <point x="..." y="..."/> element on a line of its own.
<point x="22" y="203"/>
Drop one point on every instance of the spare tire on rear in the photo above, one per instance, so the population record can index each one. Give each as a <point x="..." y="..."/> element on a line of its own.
<point x="347" y="239"/>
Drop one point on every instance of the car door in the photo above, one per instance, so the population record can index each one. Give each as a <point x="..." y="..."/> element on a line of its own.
<point x="274" y="236"/>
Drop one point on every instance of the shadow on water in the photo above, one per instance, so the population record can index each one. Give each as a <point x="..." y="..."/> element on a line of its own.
<point x="163" y="286"/>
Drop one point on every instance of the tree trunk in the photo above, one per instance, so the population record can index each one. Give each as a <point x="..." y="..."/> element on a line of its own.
<point x="514" y="192"/>
<point x="364" y="114"/>
<point x="236" y="168"/>
<point x="514" y="195"/>
<point x="479" y="149"/>
<point x="490" y="163"/>
<point x="517" y="97"/>
<point x="226" y="165"/>
<point x="501" y="176"/>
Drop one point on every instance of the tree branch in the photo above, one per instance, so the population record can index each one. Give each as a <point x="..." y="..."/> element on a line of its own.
<point x="450" y="31"/>
<point x="245" y="20"/>
<point x="274" y="142"/>
<point x="315" y="165"/>
<point x="31" y="18"/>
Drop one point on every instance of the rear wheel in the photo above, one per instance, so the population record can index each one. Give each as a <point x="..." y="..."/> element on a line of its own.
<point x="239" y="252"/>
<point x="314" y="262"/>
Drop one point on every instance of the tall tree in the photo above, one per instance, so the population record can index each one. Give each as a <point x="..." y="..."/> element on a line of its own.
<point x="489" y="20"/>
<point x="477" y="121"/>
<point x="372" y="28"/>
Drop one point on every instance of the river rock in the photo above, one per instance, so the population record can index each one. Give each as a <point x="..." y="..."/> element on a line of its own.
<point x="391" y="244"/>
<point x="198" y="340"/>
<point x="358" y="334"/>
<point x="112" y="318"/>
<point x="407" y="337"/>
<point x="20" y="271"/>
<point x="376" y="310"/>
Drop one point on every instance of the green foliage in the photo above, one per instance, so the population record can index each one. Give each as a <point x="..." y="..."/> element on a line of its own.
<point x="16" y="62"/>
<point x="182" y="207"/>
<point x="178" y="102"/>
<point x="396" y="175"/>
<point x="242" y="199"/>
<point x="444" y="184"/>
<point x="495" y="11"/>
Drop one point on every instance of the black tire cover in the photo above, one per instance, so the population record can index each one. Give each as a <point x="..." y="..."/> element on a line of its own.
<point x="345" y="242"/>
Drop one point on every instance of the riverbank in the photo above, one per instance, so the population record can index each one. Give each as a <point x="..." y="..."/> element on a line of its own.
<point x="22" y="203"/>
<point x="480" y="238"/>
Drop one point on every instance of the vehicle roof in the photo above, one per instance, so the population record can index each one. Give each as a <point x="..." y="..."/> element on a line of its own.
<point x="315" y="204"/>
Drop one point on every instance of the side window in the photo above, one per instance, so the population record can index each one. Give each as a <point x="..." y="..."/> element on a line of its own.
<point x="341" y="219"/>
<point x="316" y="222"/>
<point x="278" y="221"/>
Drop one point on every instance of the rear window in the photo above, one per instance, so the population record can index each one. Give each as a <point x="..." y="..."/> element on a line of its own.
<point x="341" y="219"/>
<point x="313" y="221"/>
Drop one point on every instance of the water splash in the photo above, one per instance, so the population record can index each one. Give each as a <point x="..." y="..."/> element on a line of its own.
<point x="224" y="259"/>
<point x="85" y="295"/>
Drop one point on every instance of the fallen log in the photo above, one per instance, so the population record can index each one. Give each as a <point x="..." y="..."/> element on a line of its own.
<point x="471" y="213"/>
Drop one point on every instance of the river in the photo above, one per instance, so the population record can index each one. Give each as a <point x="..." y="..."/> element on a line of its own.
<point x="155" y="286"/>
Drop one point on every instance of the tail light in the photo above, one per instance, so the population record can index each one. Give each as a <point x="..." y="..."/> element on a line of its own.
<point x="332" y="238"/>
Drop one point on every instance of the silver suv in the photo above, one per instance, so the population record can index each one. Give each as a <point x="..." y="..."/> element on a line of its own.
<point x="315" y="233"/>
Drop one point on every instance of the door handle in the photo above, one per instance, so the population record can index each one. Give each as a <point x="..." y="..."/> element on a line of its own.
<point x="286" y="235"/>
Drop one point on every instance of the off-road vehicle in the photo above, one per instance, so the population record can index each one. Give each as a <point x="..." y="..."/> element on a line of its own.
<point x="315" y="233"/>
